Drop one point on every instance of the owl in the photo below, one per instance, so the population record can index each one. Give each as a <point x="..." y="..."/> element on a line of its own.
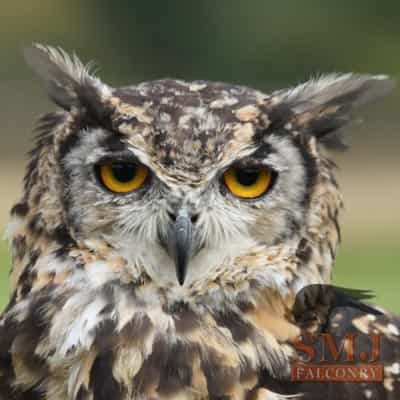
<point x="164" y="234"/>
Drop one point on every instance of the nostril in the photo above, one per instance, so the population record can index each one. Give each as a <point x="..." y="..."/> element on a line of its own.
<point x="172" y="216"/>
<point x="193" y="218"/>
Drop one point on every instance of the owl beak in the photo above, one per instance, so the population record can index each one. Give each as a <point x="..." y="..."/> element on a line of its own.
<point x="180" y="243"/>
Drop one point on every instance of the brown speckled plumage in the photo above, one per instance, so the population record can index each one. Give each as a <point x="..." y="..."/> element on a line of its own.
<point x="96" y="312"/>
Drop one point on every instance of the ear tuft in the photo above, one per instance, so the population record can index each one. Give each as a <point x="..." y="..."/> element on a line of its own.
<point x="67" y="79"/>
<point x="323" y="106"/>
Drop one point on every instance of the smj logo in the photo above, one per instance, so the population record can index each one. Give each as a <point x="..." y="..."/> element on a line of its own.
<point x="324" y="358"/>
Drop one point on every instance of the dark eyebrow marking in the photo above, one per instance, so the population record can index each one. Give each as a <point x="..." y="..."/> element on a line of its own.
<point x="113" y="143"/>
<point x="124" y="157"/>
<point x="263" y="151"/>
<point x="255" y="158"/>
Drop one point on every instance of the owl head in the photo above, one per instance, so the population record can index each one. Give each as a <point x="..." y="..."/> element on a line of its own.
<point x="185" y="180"/>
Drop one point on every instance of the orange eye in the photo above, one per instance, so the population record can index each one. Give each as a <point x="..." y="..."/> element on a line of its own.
<point x="248" y="183"/>
<point x="122" y="177"/>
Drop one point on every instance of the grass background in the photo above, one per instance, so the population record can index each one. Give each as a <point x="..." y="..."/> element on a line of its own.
<point x="5" y="263"/>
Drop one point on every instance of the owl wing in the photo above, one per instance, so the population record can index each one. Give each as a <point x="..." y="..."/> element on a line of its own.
<point x="348" y="320"/>
<point x="349" y="315"/>
<point x="21" y="371"/>
<point x="6" y="370"/>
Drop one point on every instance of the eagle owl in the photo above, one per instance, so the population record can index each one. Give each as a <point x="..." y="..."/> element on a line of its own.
<point x="164" y="232"/>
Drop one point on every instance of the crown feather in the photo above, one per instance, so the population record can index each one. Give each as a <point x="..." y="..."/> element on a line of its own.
<point x="323" y="106"/>
<point x="69" y="82"/>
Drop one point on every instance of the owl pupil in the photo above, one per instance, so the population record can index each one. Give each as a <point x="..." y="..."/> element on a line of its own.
<point x="247" y="177"/>
<point x="124" y="172"/>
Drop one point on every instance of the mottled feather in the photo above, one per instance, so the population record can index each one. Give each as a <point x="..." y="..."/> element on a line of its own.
<point x="96" y="310"/>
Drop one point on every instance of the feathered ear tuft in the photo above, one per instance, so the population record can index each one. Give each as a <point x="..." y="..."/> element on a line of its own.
<point x="321" y="107"/>
<point x="69" y="82"/>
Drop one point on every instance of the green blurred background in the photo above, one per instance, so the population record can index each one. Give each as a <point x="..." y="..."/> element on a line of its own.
<point x="261" y="43"/>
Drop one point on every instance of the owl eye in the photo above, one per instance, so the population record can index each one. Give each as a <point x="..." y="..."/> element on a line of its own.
<point x="248" y="183"/>
<point x="122" y="177"/>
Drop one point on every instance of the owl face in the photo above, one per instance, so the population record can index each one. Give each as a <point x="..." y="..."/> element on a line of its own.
<point x="180" y="178"/>
<point x="178" y="186"/>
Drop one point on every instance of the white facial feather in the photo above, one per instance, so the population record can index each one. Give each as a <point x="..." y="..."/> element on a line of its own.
<point x="227" y="226"/>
